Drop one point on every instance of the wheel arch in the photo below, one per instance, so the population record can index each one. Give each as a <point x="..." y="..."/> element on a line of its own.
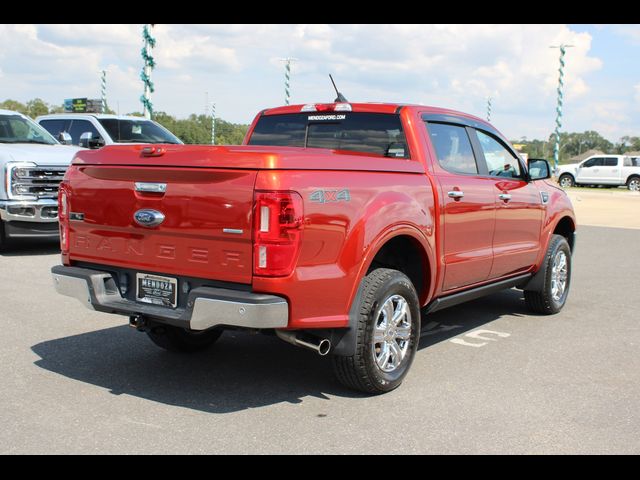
<point x="380" y="255"/>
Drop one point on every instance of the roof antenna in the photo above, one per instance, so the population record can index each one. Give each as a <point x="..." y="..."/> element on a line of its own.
<point x="340" y="97"/>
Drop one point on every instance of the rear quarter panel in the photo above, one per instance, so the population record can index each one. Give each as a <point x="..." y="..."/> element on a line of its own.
<point x="348" y="216"/>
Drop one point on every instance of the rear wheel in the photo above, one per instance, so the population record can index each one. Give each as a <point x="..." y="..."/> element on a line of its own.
<point x="566" y="181"/>
<point x="552" y="295"/>
<point x="175" y="339"/>
<point x="633" y="184"/>
<point x="388" y="331"/>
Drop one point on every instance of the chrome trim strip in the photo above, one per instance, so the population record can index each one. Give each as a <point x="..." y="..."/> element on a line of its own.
<point x="236" y="231"/>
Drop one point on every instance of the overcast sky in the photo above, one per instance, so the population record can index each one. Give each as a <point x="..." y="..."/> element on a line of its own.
<point x="454" y="66"/>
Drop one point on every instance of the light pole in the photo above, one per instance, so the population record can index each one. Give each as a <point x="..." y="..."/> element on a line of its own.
<point x="287" y="78"/>
<point x="556" y="150"/>
<point x="149" y="65"/>
<point x="213" y="123"/>
<point x="103" y="90"/>
<point x="489" y="109"/>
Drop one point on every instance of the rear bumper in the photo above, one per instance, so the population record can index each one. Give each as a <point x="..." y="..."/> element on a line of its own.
<point x="207" y="307"/>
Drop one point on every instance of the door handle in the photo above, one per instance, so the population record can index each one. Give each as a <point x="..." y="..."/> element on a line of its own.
<point x="457" y="194"/>
<point x="505" y="197"/>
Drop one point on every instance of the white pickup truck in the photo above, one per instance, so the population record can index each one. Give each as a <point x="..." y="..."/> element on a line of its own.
<point x="32" y="164"/>
<point x="610" y="170"/>
<point x="95" y="130"/>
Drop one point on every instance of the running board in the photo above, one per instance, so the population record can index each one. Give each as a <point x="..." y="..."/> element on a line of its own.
<point x="461" y="297"/>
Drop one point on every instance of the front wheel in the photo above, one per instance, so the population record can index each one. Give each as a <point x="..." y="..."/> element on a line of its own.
<point x="388" y="331"/>
<point x="566" y="181"/>
<point x="175" y="339"/>
<point x="633" y="184"/>
<point x="552" y="295"/>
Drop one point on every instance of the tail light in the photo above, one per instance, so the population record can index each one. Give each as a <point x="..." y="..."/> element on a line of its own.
<point x="278" y="220"/>
<point x="63" y="217"/>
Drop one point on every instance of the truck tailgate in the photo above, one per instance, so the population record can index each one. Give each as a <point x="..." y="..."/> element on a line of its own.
<point x="206" y="231"/>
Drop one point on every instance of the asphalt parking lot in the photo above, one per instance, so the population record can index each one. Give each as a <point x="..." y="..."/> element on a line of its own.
<point x="489" y="377"/>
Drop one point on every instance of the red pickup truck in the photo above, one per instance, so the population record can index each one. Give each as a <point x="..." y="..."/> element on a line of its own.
<point x="334" y="226"/>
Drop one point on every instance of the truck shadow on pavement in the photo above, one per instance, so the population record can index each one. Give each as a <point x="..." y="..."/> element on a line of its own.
<point x="30" y="247"/>
<point x="239" y="372"/>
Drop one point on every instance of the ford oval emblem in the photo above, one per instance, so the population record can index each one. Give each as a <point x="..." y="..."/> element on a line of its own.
<point x="148" y="218"/>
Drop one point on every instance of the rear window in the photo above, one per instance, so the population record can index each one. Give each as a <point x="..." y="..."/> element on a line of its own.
<point x="378" y="134"/>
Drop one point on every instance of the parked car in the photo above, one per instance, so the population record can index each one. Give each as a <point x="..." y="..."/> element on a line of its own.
<point x="334" y="226"/>
<point x="609" y="170"/>
<point x="32" y="164"/>
<point x="93" y="130"/>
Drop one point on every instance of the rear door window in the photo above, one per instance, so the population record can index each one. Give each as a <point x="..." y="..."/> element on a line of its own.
<point x="610" y="162"/>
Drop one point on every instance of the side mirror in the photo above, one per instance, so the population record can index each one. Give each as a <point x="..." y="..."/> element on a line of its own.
<point x="64" y="138"/>
<point x="539" y="169"/>
<point x="87" y="140"/>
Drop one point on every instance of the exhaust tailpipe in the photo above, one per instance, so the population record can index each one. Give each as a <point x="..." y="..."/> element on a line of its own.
<point x="319" y="345"/>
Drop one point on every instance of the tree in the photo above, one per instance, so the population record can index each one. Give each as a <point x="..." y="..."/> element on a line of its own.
<point x="37" y="107"/>
<point x="14" y="105"/>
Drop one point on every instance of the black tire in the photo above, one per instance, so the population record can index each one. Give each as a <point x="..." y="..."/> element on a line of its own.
<point x="633" y="184"/>
<point x="361" y="371"/>
<point x="543" y="300"/>
<point x="566" y="180"/>
<point x="3" y="238"/>
<point x="179" y="340"/>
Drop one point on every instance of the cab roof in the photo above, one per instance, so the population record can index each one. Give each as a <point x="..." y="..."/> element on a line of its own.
<point x="374" y="107"/>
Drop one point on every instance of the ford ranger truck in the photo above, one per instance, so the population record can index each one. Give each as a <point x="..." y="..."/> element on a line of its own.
<point x="334" y="226"/>
<point x="32" y="164"/>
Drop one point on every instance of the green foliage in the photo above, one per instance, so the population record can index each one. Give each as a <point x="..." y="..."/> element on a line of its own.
<point x="197" y="129"/>
<point x="573" y="144"/>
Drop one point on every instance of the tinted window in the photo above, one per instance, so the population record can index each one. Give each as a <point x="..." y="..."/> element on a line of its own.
<point x="631" y="162"/>
<point x="17" y="129"/>
<point x="453" y="148"/>
<point x="373" y="133"/>
<point x="500" y="161"/>
<point x="137" y="131"/>
<point x="55" y="127"/>
<point x="78" y="127"/>
<point x="610" y="162"/>
<point x="594" y="162"/>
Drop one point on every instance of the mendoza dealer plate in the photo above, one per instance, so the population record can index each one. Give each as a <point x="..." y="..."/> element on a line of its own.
<point x="157" y="290"/>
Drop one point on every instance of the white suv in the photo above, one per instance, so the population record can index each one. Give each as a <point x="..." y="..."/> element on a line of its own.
<point x="94" y="130"/>
<point x="612" y="170"/>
